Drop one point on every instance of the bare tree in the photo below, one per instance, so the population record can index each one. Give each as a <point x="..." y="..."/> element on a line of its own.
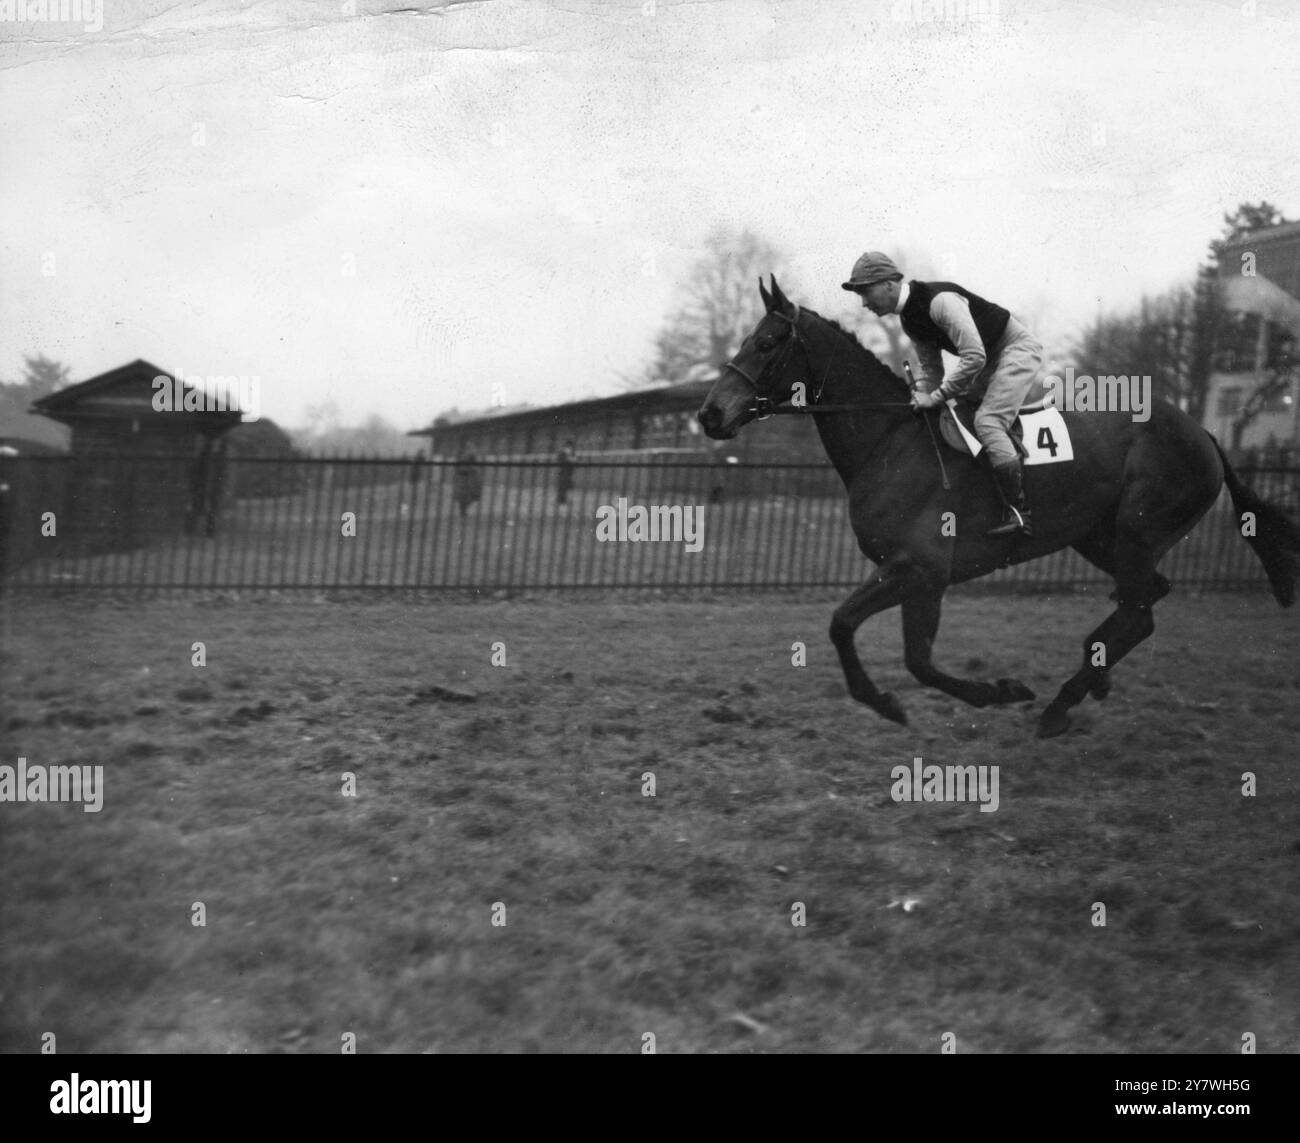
<point x="718" y="308"/>
<point x="1275" y="372"/>
<point x="41" y="377"/>
<point x="322" y="418"/>
<point x="1156" y="341"/>
<point x="1246" y="218"/>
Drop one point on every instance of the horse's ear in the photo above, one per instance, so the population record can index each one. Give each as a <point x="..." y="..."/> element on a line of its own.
<point x="779" y="300"/>
<point x="762" y="293"/>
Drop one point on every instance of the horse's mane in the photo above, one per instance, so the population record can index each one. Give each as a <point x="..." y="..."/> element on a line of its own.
<point x="867" y="359"/>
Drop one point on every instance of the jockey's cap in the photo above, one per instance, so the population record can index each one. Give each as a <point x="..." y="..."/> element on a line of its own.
<point x="871" y="268"/>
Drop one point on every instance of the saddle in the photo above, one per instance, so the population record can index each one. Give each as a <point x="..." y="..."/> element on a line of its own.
<point x="957" y="427"/>
<point x="1039" y="432"/>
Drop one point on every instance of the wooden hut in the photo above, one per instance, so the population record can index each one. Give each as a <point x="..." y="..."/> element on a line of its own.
<point x="146" y="457"/>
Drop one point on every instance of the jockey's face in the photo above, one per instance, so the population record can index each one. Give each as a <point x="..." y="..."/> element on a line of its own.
<point x="880" y="297"/>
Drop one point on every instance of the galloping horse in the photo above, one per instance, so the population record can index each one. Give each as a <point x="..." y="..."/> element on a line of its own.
<point x="1131" y="492"/>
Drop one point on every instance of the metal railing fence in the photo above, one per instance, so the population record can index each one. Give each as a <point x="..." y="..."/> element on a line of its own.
<point x="491" y="525"/>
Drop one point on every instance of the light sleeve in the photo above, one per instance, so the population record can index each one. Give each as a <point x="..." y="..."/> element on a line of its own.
<point x="951" y="313"/>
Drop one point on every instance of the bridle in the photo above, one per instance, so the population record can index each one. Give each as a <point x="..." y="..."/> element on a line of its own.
<point x="764" y="407"/>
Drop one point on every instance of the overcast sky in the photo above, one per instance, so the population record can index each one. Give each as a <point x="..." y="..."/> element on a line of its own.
<point x="396" y="210"/>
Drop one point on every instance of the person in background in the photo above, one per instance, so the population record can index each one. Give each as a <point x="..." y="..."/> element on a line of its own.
<point x="467" y="481"/>
<point x="564" y="484"/>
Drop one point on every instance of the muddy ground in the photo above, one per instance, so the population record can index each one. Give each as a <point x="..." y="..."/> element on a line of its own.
<point x="517" y="793"/>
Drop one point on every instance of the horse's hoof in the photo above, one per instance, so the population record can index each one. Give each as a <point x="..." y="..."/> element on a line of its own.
<point x="1013" y="690"/>
<point x="1100" y="687"/>
<point x="890" y="708"/>
<point x="1052" y="722"/>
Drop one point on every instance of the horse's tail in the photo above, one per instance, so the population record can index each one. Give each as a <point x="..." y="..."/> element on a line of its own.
<point x="1273" y="534"/>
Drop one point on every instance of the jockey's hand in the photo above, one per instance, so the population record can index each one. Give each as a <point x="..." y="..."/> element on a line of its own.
<point x="927" y="400"/>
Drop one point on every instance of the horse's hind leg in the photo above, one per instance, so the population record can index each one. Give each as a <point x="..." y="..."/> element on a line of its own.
<point x="920" y="625"/>
<point x="1138" y="586"/>
<point x="1098" y="548"/>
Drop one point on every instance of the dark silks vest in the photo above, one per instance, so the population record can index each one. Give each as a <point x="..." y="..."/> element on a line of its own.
<point x="990" y="319"/>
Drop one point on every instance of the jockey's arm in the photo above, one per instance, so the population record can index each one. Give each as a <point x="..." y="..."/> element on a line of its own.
<point x="951" y="313"/>
<point x="931" y="361"/>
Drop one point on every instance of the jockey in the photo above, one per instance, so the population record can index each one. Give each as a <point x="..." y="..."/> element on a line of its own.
<point x="999" y="362"/>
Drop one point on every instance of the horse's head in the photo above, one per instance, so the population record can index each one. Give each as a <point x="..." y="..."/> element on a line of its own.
<point x="764" y="371"/>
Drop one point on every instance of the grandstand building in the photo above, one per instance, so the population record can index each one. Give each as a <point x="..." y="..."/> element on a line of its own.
<point x="647" y="421"/>
<point x="1260" y="273"/>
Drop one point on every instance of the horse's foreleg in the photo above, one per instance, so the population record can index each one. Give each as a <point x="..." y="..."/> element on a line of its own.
<point x="920" y="625"/>
<point x="888" y="586"/>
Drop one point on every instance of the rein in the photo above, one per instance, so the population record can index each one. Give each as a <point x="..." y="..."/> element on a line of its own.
<point x="764" y="408"/>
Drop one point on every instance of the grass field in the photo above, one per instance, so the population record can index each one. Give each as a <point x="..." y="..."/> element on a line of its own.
<point x="625" y="914"/>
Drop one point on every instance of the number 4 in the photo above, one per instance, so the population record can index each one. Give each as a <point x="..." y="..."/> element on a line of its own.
<point x="1046" y="440"/>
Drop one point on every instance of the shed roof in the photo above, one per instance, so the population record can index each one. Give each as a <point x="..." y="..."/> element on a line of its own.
<point x="665" y="398"/>
<point x="128" y="393"/>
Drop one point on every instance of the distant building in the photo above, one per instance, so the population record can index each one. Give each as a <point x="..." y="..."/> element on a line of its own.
<point x="1260" y="274"/>
<point x="643" y="421"/>
<point x="138" y="469"/>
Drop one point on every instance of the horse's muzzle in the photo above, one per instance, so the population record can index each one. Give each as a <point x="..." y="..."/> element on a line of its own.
<point x="711" y="420"/>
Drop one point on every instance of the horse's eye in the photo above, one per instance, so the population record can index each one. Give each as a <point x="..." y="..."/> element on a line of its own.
<point x="765" y="345"/>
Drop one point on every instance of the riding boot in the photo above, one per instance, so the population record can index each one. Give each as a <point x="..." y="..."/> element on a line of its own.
<point x="1015" y="512"/>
